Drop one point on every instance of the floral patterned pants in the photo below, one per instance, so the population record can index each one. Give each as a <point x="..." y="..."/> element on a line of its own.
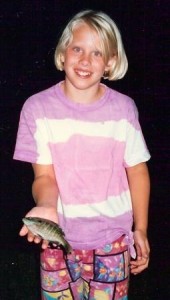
<point x="100" y="274"/>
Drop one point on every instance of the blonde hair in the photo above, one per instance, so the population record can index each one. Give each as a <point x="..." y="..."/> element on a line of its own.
<point x="111" y="41"/>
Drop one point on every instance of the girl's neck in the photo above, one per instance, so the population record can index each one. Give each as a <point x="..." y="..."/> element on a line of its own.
<point x="85" y="96"/>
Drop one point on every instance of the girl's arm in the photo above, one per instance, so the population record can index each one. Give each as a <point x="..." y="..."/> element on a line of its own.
<point x="139" y="184"/>
<point x="44" y="188"/>
<point x="45" y="194"/>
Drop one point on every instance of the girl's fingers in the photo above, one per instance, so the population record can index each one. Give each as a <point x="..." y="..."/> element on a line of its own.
<point x="44" y="244"/>
<point x="139" y="265"/>
<point x="23" y="231"/>
<point x="32" y="238"/>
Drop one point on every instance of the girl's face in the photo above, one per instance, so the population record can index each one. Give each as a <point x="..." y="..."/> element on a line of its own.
<point x="84" y="63"/>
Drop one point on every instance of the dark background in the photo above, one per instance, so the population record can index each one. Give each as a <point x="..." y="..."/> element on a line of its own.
<point x="29" y="34"/>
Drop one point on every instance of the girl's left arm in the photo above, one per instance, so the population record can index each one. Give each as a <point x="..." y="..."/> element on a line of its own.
<point x="139" y="183"/>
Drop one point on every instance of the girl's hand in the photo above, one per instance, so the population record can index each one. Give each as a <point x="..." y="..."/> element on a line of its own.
<point x="143" y="250"/>
<point x="40" y="212"/>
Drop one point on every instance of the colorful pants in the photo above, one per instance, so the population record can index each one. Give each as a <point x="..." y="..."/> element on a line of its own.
<point x="100" y="274"/>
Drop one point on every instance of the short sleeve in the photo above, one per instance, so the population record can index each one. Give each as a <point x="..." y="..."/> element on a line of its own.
<point x="136" y="150"/>
<point x="32" y="143"/>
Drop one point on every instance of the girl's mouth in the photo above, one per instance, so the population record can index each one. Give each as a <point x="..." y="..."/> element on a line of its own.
<point x="83" y="74"/>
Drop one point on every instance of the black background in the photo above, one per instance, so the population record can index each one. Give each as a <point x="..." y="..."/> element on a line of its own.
<point x="29" y="34"/>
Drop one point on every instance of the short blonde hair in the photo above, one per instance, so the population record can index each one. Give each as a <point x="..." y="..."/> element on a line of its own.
<point x="111" y="41"/>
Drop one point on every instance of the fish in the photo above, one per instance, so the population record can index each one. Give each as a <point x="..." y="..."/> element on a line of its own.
<point x="47" y="230"/>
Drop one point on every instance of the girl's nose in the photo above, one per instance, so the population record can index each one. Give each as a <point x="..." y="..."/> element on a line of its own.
<point x="85" y="59"/>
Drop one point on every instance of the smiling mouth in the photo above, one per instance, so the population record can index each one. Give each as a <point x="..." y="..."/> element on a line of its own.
<point x="83" y="74"/>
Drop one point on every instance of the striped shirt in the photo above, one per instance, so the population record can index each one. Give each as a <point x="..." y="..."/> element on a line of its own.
<point x="90" y="147"/>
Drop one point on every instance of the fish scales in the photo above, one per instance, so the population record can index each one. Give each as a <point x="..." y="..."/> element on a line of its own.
<point x="47" y="230"/>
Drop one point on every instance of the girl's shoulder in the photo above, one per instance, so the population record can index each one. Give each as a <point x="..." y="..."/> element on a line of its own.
<point x="42" y="103"/>
<point x="122" y="101"/>
<point x="40" y="97"/>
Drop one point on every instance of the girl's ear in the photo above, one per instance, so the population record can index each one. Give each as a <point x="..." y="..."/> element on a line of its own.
<point x="62" y="57"/>
<point x="111" y="62"/>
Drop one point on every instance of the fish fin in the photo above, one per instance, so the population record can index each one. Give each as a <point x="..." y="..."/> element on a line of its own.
<point x="65" y="246"/>
<point x="33" y="232"/>
<point x="54" y="245"/>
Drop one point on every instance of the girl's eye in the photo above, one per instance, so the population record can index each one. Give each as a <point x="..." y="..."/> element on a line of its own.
<point x="76" y="49"/>
<point x="97" y="53"/>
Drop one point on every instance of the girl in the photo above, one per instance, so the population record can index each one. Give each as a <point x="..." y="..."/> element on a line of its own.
<point x="89" y="160"/>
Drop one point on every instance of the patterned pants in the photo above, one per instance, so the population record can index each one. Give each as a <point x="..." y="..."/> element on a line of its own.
<point x="100" y="274"/>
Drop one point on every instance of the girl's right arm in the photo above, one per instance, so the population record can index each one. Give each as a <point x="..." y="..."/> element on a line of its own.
<point x="45" y="194"/>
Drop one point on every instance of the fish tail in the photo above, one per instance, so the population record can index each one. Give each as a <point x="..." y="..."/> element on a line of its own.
<point x="68" y="247"/>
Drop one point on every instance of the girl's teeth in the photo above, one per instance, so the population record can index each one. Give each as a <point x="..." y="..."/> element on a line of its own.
<point x="83" y="73"/>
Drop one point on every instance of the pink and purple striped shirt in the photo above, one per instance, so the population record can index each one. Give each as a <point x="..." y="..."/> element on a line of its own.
<point x="90" y="146"/>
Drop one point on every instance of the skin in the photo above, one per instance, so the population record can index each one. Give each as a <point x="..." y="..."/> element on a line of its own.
<point x="45" y="193"/>
<point x="84" y="66"/>
<point x="139" y="184"/>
